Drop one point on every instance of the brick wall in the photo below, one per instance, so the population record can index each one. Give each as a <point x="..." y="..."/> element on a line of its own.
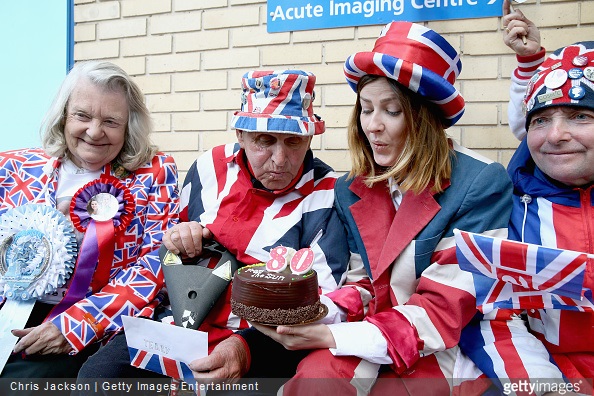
<point x="188" y="56"/>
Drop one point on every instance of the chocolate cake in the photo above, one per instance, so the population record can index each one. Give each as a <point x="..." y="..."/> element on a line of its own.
<point x="275" y="298"/>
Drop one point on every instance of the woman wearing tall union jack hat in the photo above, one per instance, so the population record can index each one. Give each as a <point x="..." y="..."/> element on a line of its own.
<point x="95" y="147"/>
<point x="405" y="300"/>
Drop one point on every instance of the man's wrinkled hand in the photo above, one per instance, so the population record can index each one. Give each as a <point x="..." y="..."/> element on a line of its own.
<point x="228" y="360"/>
<point x="186" y="238"/>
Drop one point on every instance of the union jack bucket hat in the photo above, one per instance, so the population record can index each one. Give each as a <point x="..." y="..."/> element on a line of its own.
<point x="419" y="59"/>
<point x="566" y="78"/>
<point x="278" y="102"/>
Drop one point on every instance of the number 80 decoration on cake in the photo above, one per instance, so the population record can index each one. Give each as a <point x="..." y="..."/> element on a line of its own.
<point x="282" y="291"/>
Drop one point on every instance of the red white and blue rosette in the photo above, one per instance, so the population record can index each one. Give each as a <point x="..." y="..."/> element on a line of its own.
<point x="95" y="256"/>
<point x="37" y="251"/>
<point x="79" y="214"/>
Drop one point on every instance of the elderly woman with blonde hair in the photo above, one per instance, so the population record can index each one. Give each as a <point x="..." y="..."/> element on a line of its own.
<point x="95" y="140"/>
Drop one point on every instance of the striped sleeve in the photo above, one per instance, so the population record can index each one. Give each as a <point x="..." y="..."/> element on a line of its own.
<point x="527" y="66"/>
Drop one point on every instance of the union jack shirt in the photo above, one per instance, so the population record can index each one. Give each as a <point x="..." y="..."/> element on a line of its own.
<point x="221" y="194"/>
<point x="29" y="175"/>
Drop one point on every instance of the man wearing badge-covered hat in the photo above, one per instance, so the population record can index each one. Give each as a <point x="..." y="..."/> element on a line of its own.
<point x="552" y="111"/>
<point x="266" y="190"/>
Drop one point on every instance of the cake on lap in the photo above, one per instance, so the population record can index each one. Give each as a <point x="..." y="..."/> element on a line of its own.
<point x="277" y="293"/>
<point x="278" y="298"/>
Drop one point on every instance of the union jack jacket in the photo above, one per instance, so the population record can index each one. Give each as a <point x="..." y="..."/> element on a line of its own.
<point x="221" y="194"/>
<point x="30" y="176"/>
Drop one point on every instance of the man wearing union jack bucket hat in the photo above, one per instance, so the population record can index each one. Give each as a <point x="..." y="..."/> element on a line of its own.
<point x="264" y="191"/>
<point x="552" y="111"/>
<point x="409" y="187"/>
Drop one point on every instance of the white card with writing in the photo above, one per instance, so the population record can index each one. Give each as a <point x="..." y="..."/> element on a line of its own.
<point x="171" y="343"/>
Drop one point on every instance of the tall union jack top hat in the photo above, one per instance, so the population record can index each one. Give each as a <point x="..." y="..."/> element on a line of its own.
<point x="419" y="59"/>
<point x="279" y="102"/>
<point x="566" y="78"/>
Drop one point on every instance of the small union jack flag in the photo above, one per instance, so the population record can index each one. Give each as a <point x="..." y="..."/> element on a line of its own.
<point x="164" y="348"/>
<point x="160" y="364"/>
<point x="510" y="274"/>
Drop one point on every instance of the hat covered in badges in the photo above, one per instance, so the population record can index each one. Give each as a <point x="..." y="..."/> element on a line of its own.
<point x="278" y="102"/>
<point x="566" y="78"/>
<point x="419" y="59"/>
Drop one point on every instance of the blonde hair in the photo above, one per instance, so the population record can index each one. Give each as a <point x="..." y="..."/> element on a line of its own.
<point x="425" y="158"/>
<point x="137" y="149"/>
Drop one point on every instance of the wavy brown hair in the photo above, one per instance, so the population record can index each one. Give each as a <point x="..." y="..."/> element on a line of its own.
<point x="425" y="158"/>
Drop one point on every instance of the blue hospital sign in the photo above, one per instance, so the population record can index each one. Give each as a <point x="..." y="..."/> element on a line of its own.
<point x="284" y="16"/>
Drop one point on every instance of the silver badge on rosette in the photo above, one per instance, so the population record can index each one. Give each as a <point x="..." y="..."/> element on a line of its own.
<point x="37" y="255"/>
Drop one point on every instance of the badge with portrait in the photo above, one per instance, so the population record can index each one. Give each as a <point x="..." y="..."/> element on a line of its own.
<point x="37" y="256"/>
